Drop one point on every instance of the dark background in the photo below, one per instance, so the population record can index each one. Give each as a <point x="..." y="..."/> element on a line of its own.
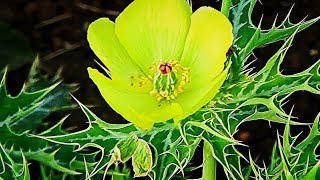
<point x="56" y="30"/>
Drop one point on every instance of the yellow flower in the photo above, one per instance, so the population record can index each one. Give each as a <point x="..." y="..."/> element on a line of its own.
<point x="164" y="61"/>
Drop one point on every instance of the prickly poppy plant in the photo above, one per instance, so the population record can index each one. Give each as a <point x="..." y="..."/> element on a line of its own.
<point x="168" y="73"/>
<point x="160" y="56"/>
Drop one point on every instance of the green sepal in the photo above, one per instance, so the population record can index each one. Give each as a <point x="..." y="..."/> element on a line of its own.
<point x="125" y="148"/>
<point x="142" y="159"/>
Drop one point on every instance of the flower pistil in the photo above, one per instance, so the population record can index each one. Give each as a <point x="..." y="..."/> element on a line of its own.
<point x="169" y="80"/>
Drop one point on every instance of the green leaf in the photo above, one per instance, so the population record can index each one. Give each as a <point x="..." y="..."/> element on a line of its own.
<point x="248" y="36"/>
<point x="261" y="95"/>
<point x="290" y="161"/>
<point x="253" y="97"/>
<point x="171" y="152"/>
<point x="14" y="109"/>
<point x="39" y="97"/>
<point x="24" y="113"/>
<point x="16" y="168"/>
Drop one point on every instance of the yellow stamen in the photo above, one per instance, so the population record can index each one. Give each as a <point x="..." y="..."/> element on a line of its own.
<point x="169" y="80"/>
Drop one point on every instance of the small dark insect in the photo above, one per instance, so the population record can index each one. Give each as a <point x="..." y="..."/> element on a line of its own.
<point x="231" y="50"/>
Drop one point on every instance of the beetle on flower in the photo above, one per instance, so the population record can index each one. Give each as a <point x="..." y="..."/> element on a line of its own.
<point x="165" y="61"/>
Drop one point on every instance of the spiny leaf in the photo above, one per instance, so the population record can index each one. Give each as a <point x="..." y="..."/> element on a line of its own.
<point x="290" y="161"/>
<point x="24" y="113"/>
<point x="262" y="94"/>
<point x="16" y="168"/>
<point x="39" y="97"/>
<point x="253" y="97"/>
<point x="172" y="153"/>
<point x="248" y="36"/>
<point x="15" y="108"/>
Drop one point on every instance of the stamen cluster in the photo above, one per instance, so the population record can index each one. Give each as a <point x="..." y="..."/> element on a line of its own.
<point x="169" y="80"/>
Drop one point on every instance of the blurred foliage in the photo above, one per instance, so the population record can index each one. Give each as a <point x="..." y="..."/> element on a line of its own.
<point x="14" y="48"/>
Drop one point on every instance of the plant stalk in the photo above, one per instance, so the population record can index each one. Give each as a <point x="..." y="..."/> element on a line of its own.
<point x="225" y="7"/>
<point x="209" y="163"/>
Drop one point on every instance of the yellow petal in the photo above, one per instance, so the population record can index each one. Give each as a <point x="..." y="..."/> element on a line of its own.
<point x="193" y="100"/>
<point x="141" y="109"/>
<point x="210" y="37"/>
<point x="154" y="30"/>
<point x="106" y="46"/>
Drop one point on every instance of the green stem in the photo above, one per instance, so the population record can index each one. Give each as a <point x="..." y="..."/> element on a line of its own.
<point x="225" y="8"/>
<point x="209" y="163"/>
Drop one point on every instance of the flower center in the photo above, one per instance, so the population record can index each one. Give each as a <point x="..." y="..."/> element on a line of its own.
<point x="165" y="68"/>
<point x="169" y="80"/>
